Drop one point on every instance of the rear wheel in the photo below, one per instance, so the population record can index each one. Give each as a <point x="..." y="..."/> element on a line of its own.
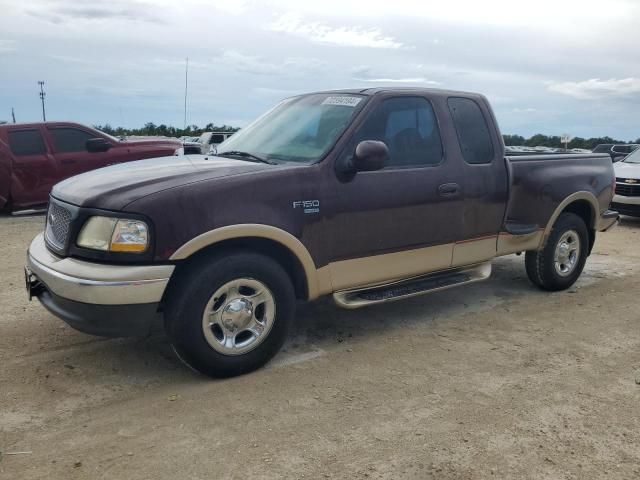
<point x="559" y="264"/>
<point x="230" y="315"/>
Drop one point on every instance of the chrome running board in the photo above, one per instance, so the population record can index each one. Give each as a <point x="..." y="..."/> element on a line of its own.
<point x="411" y="287"/>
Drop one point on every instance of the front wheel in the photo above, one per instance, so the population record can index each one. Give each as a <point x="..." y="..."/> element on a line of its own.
<point x="559" y="264"/>
<point x="231" y="314"/>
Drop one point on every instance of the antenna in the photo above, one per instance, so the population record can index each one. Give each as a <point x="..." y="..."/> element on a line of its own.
<point x="186" y="86"/>
<point x="42" y="95"/>
<point x="13" y="115"/>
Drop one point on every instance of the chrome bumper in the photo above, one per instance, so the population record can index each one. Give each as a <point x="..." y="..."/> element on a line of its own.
<point x="95" y="283"/>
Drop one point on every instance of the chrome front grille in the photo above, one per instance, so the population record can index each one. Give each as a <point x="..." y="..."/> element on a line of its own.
<point x="628" y="190"/>
<point x="58" y="223"/>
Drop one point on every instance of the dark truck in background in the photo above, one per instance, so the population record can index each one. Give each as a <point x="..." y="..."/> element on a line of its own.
<point x="36" y="156"/>
<point x="366" y="195"/>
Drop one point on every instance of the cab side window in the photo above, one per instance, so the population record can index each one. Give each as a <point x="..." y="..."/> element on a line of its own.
<point x="26" y="142"/>
<point x="473" y="132"/>
<point x="408" y="126"/>
<point x="217" y="138"/>
<point x="70" y="139"/>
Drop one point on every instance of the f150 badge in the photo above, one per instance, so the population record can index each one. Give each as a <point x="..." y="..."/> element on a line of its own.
<point x="308" y="206"/>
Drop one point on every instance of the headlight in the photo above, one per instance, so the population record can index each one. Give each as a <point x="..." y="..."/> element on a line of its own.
<point x="114" y="235"/>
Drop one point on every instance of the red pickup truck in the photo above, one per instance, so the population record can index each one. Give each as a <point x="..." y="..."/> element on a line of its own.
<point x="36" y="156"/>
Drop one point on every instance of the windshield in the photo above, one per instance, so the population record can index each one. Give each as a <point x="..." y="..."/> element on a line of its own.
<point x="300" y="129"/>
<point x="633" y="157"/>
<point x="110" y="137"/>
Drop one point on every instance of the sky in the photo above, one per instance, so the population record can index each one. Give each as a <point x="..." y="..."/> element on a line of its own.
<point x="547" y="66"/>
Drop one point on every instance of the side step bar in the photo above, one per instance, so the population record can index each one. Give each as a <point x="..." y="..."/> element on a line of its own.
<point x="412" y="287"/>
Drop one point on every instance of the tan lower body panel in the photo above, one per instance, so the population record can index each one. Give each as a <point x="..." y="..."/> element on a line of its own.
<point x="474" y="251"/>
<point x="508" y="243"/>
<point x="390" y="266"/>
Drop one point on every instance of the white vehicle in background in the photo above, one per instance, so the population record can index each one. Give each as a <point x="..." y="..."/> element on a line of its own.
<point x="627" y="196"/>
<point x="205" y="144"/>
<point x="618" y="152"/>
<point x="210" y="140"/>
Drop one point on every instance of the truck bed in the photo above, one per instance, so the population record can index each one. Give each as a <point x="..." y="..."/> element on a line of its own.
<point x="538" y="183"/>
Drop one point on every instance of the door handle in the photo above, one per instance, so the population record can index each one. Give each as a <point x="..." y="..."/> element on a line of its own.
<point x="449" y="190"/>
<point x="67" y="161"/>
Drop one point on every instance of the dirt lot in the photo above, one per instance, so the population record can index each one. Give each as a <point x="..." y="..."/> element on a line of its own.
<point x="491" y="379"/>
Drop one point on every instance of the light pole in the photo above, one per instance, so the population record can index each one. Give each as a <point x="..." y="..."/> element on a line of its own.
<point x="42" y="95"/>
<point x="186" y="86"/>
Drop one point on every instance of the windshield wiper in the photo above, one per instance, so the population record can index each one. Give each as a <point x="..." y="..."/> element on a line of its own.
<point x="237" y="153"/>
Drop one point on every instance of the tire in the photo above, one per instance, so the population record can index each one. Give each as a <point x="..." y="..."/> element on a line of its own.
<point x="250" y="304"/>
<point x="558" y="272"/>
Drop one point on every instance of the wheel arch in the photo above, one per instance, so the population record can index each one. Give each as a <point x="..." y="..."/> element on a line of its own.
<point x="268" y="240"/>
<point x="583" y="204"/>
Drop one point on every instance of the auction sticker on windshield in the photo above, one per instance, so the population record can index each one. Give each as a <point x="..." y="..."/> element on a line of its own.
<point x="343" y="101"/>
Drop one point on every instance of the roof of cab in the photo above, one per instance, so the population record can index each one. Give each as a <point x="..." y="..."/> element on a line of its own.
<point x="38" y="124"/>
<point x="378" y="90"/>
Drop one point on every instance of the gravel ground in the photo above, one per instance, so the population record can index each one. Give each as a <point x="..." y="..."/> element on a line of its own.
<point x="493" y="379"/>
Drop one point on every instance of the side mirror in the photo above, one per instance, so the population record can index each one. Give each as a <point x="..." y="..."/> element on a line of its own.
<point x="96" y="145"/>
<point x="370" y="155"/>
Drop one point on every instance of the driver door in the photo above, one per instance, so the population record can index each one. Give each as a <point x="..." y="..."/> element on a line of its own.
<point x="402" y="220"/>
<point x="70" y="149"/>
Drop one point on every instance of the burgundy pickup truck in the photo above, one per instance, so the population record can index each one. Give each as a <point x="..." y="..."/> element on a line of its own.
<point x="35" y="156"/>
<point x="366" y="195"/>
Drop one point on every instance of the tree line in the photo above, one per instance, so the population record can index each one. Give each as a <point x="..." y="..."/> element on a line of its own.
<point x="554" y="141"/>
<point x="162" y="130"/>
<point x="151" y="129"/>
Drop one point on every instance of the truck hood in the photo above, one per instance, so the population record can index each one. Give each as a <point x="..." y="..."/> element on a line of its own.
<point x="627" y="170"/>
<point x="114" y="187"/>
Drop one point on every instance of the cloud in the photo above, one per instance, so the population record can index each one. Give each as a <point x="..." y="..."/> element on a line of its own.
<point x="58" y="12"/>
<point x="234" y="7"/>
<point x="7" y="46"/>
<point x="68" y="59"/>
<point x="354" y="36"/>
<point x="595" y="88"/>
<point x="399" y="80"/>
<point x="259" y="66"/>
<point x="365" y="74"/>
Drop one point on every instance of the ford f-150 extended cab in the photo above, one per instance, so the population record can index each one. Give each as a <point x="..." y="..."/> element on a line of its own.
<point x="35" y="156"/>
<point x="366" y="195"/>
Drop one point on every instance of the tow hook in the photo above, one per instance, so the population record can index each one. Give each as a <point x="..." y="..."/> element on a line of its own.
<point x="33" y="285"/>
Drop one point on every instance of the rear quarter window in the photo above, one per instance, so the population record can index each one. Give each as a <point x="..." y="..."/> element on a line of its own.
<point x="26" y="142"/>
<point x="472" y="130"/>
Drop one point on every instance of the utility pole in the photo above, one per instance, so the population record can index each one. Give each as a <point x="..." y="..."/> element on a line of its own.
<point x="186" y="86"/>
<point x="42" y="95"/>
<point x="13" y="115"/>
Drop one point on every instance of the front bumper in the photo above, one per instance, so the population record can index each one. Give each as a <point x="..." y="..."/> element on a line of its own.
<point x="626" y="205"/>
<point x="108" y="300"/>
